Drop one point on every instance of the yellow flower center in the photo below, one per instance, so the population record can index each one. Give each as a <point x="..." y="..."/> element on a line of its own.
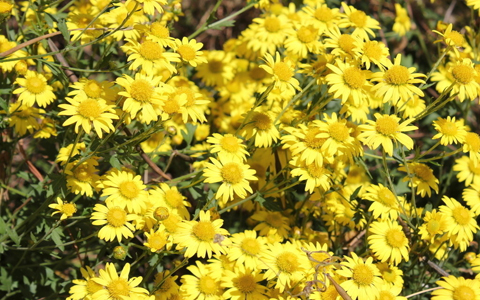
<point x="215" y="66"/>
<point x="272" y="24"/>
<point x="474" y="168"/>
<point x="129" y="189"/>
<point x="5" y="7"/>
<point x="433" y="226"/>
<point x="261" y="121"/>
<point x="204" y="231"/>
<point x="5" y="46"/>
<point x="118" y="288"/>
<point x="151" y="50"/>
<point x="320" y="257"/>
<point x="89" y="109"/>
<point x="282" y="71"/>
<point x="395" y="238"/>
<point x="287" y="262"/>
<point x="463" y="293"/>
<point x="455" y="37"/>
<point x="157" y="241"/>
<point x="386" y="197"/>
<point x="311" y="141"/>
<point x="161" y="213"/>
<point x="81" y="173"/>
<point x="116" y="216"/>
<point x="389" y="275"/>
<point x="186" y="52"/>
<point x="257" y="73"/>
<point x="166" y="285"/>
<point x="230" y="144"/>
<point x="250" y="246"/>
<point x="69" y="209"/>
<point x="159" y="30"/>
<point x="461" y="215"/>
<point x="246" y="284"/>
<point x="190" y="95"/>
<point x="174" y="198"/>
<point x="359" y="18"/>
<point x="232" y="173"/>
<point x="93" y="287"/>
<point x="463" y="74"/>
<point x="397" y="75"/>
<point x="473" y="141"/>
<point x="448" y="128"/>
<point x="346" y="42"/>
<point x="93" y="89"/>
<point x="172" y="106"/>
<point x="363" y="275"/>
<point x="422" y="172"/>
<point x="141" y="90"/>
<point x="307" y="34"/>
<point x="354" y="77"/>
<point x="315" y="171"/>
<point x="274" y="220"/>
<point x="207" y="285"/>
<point x="386" y="295"/>
<point x="323" y="14"/>
<point x="386" y="125"/>
<point x="171" y="223"/>
<point x="35" y="85"/>
<point x="372" y="50"/>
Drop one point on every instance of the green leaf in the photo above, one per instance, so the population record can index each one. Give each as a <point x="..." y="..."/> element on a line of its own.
<point x="223" y="24"/>
<point x="355" y="193"/>
<point x="62" y="26"/>
<point x="271" y="204"/>
<point x="259" y="199"/>
<point x="115" y="162"/>
<point x="50" y="19"/>
<point x="12" y="234"/>
<point x="188" y="136"/>
<point x="56" y="235"/>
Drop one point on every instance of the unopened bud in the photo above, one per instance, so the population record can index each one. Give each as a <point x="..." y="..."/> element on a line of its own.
<point x="119" y="252"/>
<point x="469" y="257"/>
<point x="161" y="213"/>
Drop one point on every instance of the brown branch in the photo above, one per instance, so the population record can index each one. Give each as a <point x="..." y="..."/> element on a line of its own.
<point x="63" y="62"/>
<point x="31" y="167"/>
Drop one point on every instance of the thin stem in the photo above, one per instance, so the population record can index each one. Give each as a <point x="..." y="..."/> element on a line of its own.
<point x="424" y="291"/>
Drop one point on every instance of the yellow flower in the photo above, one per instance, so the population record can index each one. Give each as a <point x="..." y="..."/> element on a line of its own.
<point x="316" y="176"/>
<point x="82" y="179"/>
<point x="450" y="131"/>
<point x="189" y="51"/>
<point x="283" y="72"/>
<point x="266" y="34"/>
<point x="150" y="6"/>
<point x="385" y="130"/>
<point x="303" y="40"/>
<point x="402" y="21"/>
<point x="472" y="146"/>
<point x="156" y="240"/>
<point x="125" y="189"/>
<point x="451" y="38"/>
<point x="385" y="204"/>
<point x="322" y="16"/>
<point x="201" y="284"/>
<point x="92" y="88"/>
<point x="115" y="221"/>
<point x="348" y="81"/>
<point x="471" y="196"/>
<point x="243" y="284"/>
<point x="6" y="45"/>
<point x="391" y="275"/>
<point x="434" y="225"/>
<point x="463" y="75"/>
<point x="457" y="288"/>
<point x="23" y="118"/>
<point x="468" y="170"/>
<point x="218" y="70"/>
<point x="372" y="52"/>
<point x="343" y="44"/>
<point x="168" y="286"/>
<point x="84" y="288"/>
<point x="359" y="21"/>
<point x="247" y="248"/>
<point x="169" y="197"/>
<point x="271" y="223"/>
<point x="421" y="177"/>
<point x="227" y="146"/>
<point x="67" y="209"/>
<point x="388" y="242"/>
<point x="34" y="89"/>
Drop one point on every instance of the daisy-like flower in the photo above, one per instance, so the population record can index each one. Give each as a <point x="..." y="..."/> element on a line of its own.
<point x="348" y="81"/>
<point x="92" y="88"/>
<point x="124" y="189"/>
<point x="23" y="118"/>
<point x="388" y="242"/>
<point x="451" y="38"/>
<point x="169" y="197"/>
<point x="271" y="222"/>
<point x="83" y="289"/>
<point x="471" y="196"/>
<point x="385" y="204"/>
<point x="79" y="20"/>
<point x="363" y="277"/>
<point x="156" y="240"/>
<point x="243" y="284"/>
<point x="246" y="249"/>
<point x="262" y="127"/>
<point x="421" y="176"/>
<point x="434" y="225"/>
<point x="218" y="70"/>
<point x="189" y="51"/>
<point x="233" y="176"/>
<point x="88" y="113"/>
<point x="391" y="275"/>
<point x="200" y="237"/>
<point x="119" y="287"/>
<point x="463" y="74"/>
<point x="472" y="146"/>
<point x="168" y="286"/>
<point x="267" y="34"/>
<point x="115" y="221"/>
<point x="372" y="52"/>
<point x="150" y="6"/>
<point x="343" y="45"/>
<point x="67" y="209"/>
<point x="6" y="45"/>
<point x="227" y="146"/>
<point x="286" y="263"/>
<point x="322" y="16"/>
<point x="359" y="20"/>
<point x="117" y="15"/>
<point x="156" y="32"/>
<point x="150" y="56"/>
<point x="468" y="170"/>
<point x="384" y="130"/>
<point x="411" y="107"/>
<point x="304" y="142"/>
<point x="201" y="284"/>
<point x="315" y="175"/>
<point x="461" y="223"/>
<point x="283" y="72"/>
<point x="83" y="178"/>
<point x="457" y="288"/>
<point x="450" y="131"/>
<point x="397" y="82"/>
<point x="34" y="89"/>
<point x="302" y="40"/>
<point x="402" y="21"/>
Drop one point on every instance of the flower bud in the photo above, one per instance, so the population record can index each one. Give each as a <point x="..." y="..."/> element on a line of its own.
<point x="119" y="252"/>
<point x="161" y="213"/>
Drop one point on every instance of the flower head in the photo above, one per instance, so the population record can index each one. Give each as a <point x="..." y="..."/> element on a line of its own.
<point x="67" y="209"/>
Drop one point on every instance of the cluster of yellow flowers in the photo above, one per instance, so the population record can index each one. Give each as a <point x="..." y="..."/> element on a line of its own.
<point x="287" y="124"/>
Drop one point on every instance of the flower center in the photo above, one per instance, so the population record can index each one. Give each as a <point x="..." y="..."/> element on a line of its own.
<point x="389" y="275"/>
<point x="141" y="90"/>
<point x="93" y="89"/>
<point x="274" y="220"/>
<point x="232" y="173"/>
<point x="474" y="168"/>
<point x="261" y="121"/>
<point x="215" y="66"/>
<point x="346" y="42"/>
<point x="287" y="262"/>
<point x="463" y="74"/>
<point x="159" y="30"/>
<point x="449" y="128"/>
<point x="93" y="287"/>
<point x="150" y="50"/>
<point x="171" y="223"/>
<point x="246" y="284"/>
<point x="174" y="198"/>
<point x="82" y="174"/>
<point x="207" y="285"/>
<point x="116" y="216"/>
<point x="372" y="50"/>
<point x="319" y="256"/>
<point x="190" y="96"/>
<point x="89" y="109"/>
<point x="354" y="77"/>
<point x="272" y="24"/>
<point x="422" y="172"/>
<point x="282" y="71"/>
<point x="129" y="189"/>
<point x="397" y="75"/>
<point x="456" y="38"/>
<point x="157" y="241"/>
<point x="463" y="293"/>
<point x="118" y="288"/>
<point x="315" y="171"/>
<point x="307" y="34"/>
<point x="172" y="105"/>
<point x="386" y="125"/>
<point x="433" y="226"/>
<point x="257" y="73"/>
<point x="386" y="197"/>
<point x="204" y="231"/>
<point x="386" y="295"/>
<point x="35" y="85"/>
<point x="250" y="246"/>
<point x="230" y="144"/>
<point x="69" y="209"/>
<point x="461" y="215"/>
<point x="359" y="18"/>
<point x="473" y="140"/>
<point x="186" y="52"/>
<point x="396" y="238"/>
<point x="311" y="141"/>
<point x="363" y="275"/>
<point x="323" y="14"/>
